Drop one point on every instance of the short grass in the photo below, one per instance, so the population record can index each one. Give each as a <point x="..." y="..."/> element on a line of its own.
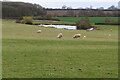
<point x="27" y="54"/>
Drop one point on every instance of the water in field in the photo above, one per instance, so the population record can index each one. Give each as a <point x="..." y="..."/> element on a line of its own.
<point x="60" y="26"/>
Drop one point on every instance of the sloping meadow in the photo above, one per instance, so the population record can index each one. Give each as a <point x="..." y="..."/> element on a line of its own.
<point x="28" y="54"/>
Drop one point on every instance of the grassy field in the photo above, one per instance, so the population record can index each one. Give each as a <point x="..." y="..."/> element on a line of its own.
<point x="92" y="19"/>
<point x="27" y="54"/>
<point x="72" y="20"/>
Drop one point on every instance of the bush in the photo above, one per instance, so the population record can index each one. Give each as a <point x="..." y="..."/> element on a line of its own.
<point x="83" y="23"/>
<point x="27" y="20"/>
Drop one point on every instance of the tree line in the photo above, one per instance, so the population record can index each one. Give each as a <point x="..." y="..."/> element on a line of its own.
<point x="68" y="11"/>
<point x="19" y="9"/>
<point x="112" y="7"/>
<point x="82" y="13"/>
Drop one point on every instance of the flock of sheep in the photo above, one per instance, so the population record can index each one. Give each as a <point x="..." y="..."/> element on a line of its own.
<point x="60" y="35"/>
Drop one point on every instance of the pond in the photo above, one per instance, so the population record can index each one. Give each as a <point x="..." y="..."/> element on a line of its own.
<point x="60" y="26"/>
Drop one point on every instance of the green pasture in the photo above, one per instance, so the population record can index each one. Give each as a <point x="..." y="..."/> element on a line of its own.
<point x="27" y="54"/>
<point x="72" y="20"/>
<point x="56" y="23"/>
<point x="92" y="19"/>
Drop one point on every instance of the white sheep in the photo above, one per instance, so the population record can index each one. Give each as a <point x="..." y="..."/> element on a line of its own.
<point x="39" y="31"/>
<point x="84" y="37"/>
<point x="111" y="30"/>
<point x="77" y="36"/>
<point x="90" y="29"/>
<point x="60" y="35"/>
<point x="109" y="35"/>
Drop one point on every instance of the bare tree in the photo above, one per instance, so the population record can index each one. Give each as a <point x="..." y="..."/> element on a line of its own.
<point x="69" y="7"/>
<point x="100" y="8"/>
<point x="112" y="7"/>
<point x="64" y="7"/>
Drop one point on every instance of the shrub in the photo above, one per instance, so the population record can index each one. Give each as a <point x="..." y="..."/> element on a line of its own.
<point x="83" y="23"/>
<point x="27" y="20"/>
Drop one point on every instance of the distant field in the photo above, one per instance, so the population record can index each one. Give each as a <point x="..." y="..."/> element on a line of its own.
<point x="72" y="20"/>
<point x="92" y="19"/>
<point x="56" y="23"/>
<point x="27" y="54"/>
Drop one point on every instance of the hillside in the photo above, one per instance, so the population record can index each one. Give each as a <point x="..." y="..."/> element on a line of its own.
<point x="28" y="54"/>
<point x="19" y="9"/>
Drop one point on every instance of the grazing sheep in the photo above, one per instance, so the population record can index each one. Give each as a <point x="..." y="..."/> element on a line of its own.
<point x="39" y="31"/>
<point x="60" y="35"/>
<point x="84" y="37"/>
<point x="90" y="29"/>
<point x="109" y="35"/>
<point x="77" y="36"/>
<point x="111" y="30"/>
